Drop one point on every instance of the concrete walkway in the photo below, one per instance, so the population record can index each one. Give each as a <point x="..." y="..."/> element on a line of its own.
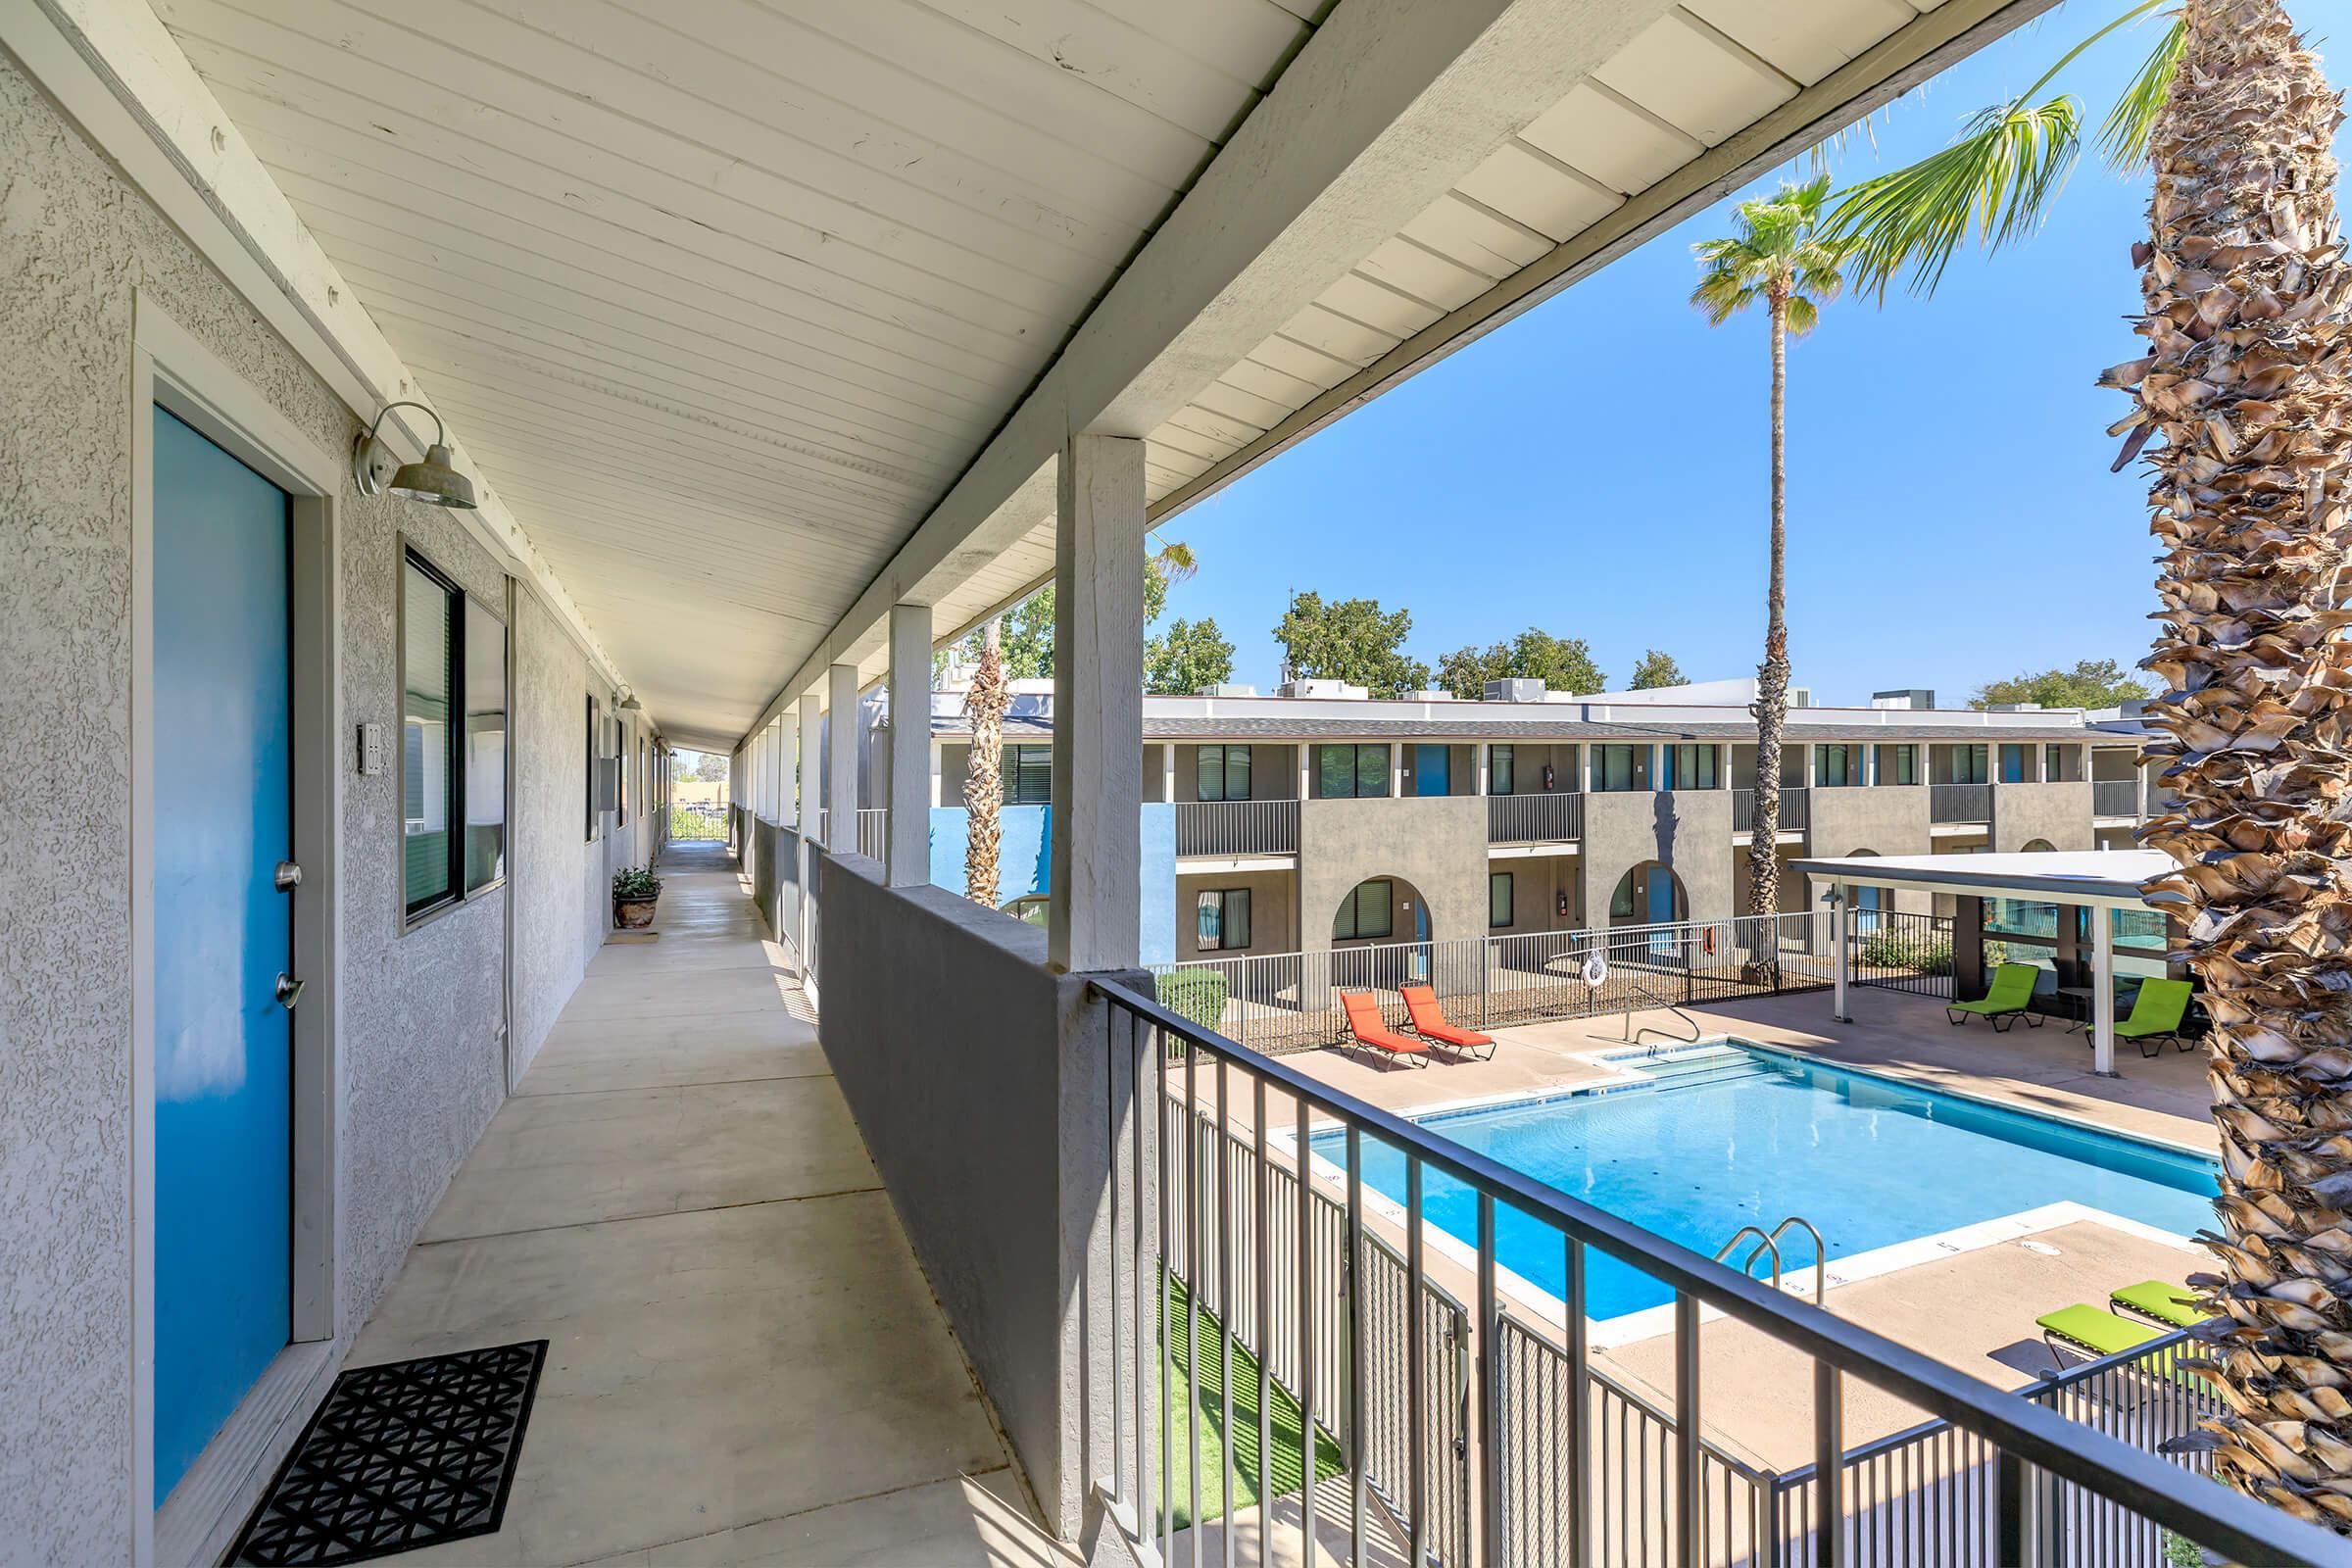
<point x="745" y="1364"/>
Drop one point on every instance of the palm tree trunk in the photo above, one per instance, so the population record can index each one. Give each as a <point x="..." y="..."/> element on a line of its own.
<point x="984" y="702"/>
<point x="1771" y="707"/>
<point x="2245" y="290"/>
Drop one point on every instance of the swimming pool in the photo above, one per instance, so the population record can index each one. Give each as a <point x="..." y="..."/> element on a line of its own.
<point x="1739" y="1135"/>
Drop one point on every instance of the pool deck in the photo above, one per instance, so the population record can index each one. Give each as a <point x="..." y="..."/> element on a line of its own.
<point x="1969" y="1301"/>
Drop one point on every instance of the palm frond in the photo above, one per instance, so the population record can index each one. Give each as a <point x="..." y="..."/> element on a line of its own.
<point x="2124" y="133"/>
<point x="1803" y="315"/>
<point x="1175" y="561"/>
<point x="1995" y="181"/>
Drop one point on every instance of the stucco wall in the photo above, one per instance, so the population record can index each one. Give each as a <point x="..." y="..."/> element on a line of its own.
<point x="422" y="1013"/>
<point x="1439" y="845"/>
<point x="1537" y="882"/>
<point x="2057" y="812"/>
<point x="1690" y="830"/>
<point x="1884" y="819"/>
<point x="554" y="864"/>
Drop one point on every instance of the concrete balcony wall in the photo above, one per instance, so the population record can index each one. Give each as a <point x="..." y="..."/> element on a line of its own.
<point x="423" y="1041"/>
<point x="1883" y="818"/>
<point x="978" y="1079"/>
<point x="1438" y="844"/>
<point x="1690" y="830"/>
<point x="2058" y="813"/>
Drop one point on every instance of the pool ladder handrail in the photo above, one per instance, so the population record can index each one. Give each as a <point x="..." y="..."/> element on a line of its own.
<point x="1633" y="1036"/>
<point x="1768" y="1244"/>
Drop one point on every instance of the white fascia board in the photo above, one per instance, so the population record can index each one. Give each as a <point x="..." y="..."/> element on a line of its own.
<point x="120" y="75"/>
<point x="1384" y="107"/>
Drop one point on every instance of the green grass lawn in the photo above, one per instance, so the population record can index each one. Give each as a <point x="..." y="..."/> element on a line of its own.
<point x="1214" y="1425"/>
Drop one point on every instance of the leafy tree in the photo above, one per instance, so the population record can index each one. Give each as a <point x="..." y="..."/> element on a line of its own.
<point x="1028" y="627"/>
<point x="702" y="767"/>
<point x="1561" y="664"/>
<point x="1657" y="669"/>
<point x="1778" y="256"/>
<point x="2091" y="683"/>
<point x="1353" y="640"/>
<point x="1188" y="655"/>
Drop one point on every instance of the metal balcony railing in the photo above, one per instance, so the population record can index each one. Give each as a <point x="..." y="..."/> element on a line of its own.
<point x="2114" y="797"/>
<point x="1489" y="1437"/>
<point x="1535" y="818"/>
<point x="1959" y="802"/>
<point x="873" y="830"/>
<point x="1796" y="810"/>
<point x="1236" y="827"/>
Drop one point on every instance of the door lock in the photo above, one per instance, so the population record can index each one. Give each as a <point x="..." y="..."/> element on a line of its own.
<point x="288" y="989"/>
<point x="287" y="877"/>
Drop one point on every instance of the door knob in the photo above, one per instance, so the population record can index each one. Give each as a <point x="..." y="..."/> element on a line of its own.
<point x="288" y="989"/>
<point x="287" y="877"/>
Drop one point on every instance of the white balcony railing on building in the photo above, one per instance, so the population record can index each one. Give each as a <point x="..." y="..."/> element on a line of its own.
<point x="1234" y="1251"/>
<point x="2114" y="797"/>
<point x="1535" y="818"/>
<point x="1796" y="810"/>
<point x="1959" y="802"/>
<point x="1236" y="827"/>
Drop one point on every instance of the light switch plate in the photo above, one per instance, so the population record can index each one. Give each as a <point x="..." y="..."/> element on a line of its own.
<point x="372" y="749"/>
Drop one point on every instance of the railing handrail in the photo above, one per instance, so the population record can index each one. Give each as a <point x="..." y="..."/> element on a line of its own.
<point x="2226" y="1520"/>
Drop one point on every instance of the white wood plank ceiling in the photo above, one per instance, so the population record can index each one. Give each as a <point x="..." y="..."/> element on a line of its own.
<point x="723" y="296"/>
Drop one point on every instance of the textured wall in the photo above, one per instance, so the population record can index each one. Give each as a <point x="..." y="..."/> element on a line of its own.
<point x="2057" y="812"/>
<point x="421" y="1012"/>
<point x="1882" y="818"/>
<point x="1690" y="830"/>
<point x="553" y="858"/>
<point x="1439" y="845"/>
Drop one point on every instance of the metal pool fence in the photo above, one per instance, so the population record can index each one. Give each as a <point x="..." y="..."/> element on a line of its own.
<point x="1279" y="1003"/>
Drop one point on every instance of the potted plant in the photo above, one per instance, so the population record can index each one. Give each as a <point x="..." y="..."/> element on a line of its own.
<point x="635" y="891"/>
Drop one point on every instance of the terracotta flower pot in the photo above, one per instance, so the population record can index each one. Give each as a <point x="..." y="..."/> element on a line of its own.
<point x="635" y="914"/>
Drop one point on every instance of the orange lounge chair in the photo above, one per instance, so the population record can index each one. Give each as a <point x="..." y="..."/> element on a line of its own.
<point x="1429" y="1022"/>
<point x="1367" y="1027"/>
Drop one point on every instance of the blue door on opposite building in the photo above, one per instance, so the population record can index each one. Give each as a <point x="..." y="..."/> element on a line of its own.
<point x="1432" y="771"/>
<point x="223" y="818"/>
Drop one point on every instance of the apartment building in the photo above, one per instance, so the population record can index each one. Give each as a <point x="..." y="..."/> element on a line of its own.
<point x="1319" y="817"/>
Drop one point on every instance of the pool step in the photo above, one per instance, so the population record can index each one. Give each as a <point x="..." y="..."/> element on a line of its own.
<point x="1694" y="1072"/>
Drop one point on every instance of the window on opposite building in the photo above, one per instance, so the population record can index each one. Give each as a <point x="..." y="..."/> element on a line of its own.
<point x="1690" y="767"/>
<point x="1967" y="764"/>
<point x="1366" y="913"/>
<point x="1833" y="767"/>
<point x="1903" y="764"/>
<point x="1344" y="773"/>
<point x="1222" y="920"/>
<point x="1028" y="773"/>
<point x="1502" y="770"/>
<point x="1619" y="767"/>
<point x="1500" y="902"/>
<point x="1224" y="773"/>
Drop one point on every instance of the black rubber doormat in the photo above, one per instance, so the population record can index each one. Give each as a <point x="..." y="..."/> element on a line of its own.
<point x="404" y="1455"/>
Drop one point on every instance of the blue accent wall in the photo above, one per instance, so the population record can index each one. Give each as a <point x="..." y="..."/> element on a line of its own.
<point x="1026" y="864"/>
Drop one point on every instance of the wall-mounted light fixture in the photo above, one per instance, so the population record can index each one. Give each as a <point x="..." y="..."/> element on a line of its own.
<point x="434" y="481"/>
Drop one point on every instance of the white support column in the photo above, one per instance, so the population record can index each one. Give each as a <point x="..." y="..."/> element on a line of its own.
<point x="1483" y="753"/>
<point x="811" y="755"/>
<point x="2102" y="993"/>
<point x="1167" y="770"/>
<point x="1093" y="918"/>
<point x="934" y="749"/>
<point x="909" y="853"/>
<point x="1306" y="764"/>
<point x="841" y="758"/>
<point x="1396" y="767"/>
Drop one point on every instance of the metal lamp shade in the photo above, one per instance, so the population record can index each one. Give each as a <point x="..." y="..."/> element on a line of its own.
<point x="433" y="481"/>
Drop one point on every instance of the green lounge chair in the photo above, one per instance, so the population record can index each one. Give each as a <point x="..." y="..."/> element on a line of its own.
<point x="2169" y="1305"/>
<point x="2092" y="1332"/>
<point x="2156" y="1016"/>
<point x="2008" y="1000"/>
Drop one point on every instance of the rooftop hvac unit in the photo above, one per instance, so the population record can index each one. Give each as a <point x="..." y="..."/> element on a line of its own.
<point x="1514" y="691"/>
<point x="1911" y="697"/>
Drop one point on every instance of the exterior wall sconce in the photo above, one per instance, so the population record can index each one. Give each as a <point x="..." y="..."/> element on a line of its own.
<point x="434" y="481"/>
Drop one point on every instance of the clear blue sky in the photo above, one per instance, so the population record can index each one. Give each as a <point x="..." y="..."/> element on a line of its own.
<point x="1597" y="468"/>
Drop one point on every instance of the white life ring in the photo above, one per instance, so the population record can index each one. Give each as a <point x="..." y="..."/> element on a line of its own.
<point x="1596" y="970"/>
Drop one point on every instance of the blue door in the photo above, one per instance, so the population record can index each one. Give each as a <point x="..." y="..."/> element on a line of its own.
<point x="223" y="818"/>
<point x="1432" y="771"/>
<point x="1662" y="909"/>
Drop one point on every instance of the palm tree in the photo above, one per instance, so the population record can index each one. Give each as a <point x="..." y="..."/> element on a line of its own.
<point x="2246" y="293"/>
<point x="1998" y="177"/>
<point x="984" y="702"/>
<point x="1778" y="255"/>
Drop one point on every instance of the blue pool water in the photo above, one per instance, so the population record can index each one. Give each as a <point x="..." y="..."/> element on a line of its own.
<point x="1744" y="1135"/>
